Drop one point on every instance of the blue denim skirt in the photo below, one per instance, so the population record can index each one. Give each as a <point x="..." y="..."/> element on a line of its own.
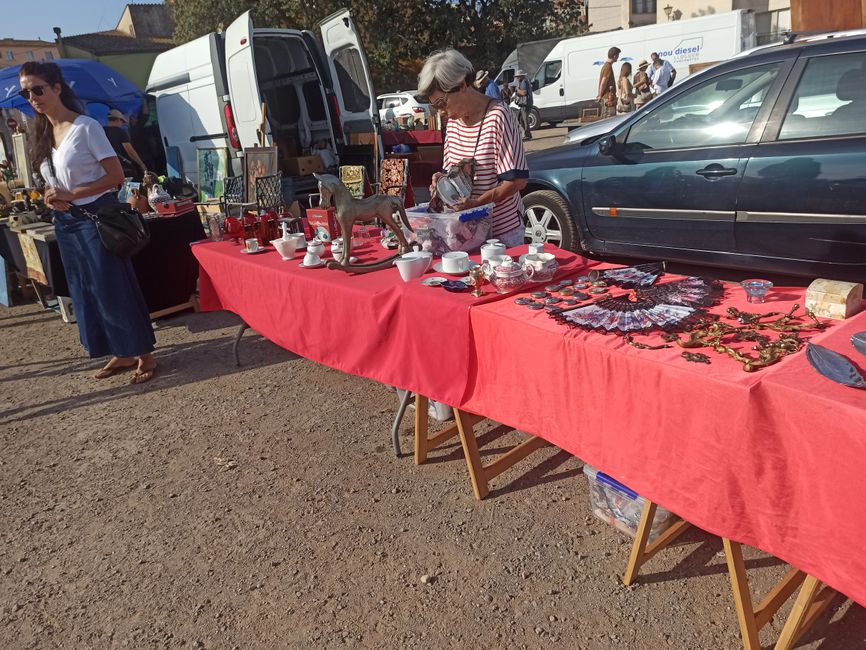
<point x="109" y="307"/>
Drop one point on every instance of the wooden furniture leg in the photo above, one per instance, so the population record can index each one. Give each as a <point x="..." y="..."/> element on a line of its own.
<point x="811" y="601"/>
<point x="192" y="303"/>
<point x="641" y="552"/>
<point x="423" y="443"/>
<point x="481" y="474"/>
<point x="751" y="619"/>
<point x="464" y="425"/>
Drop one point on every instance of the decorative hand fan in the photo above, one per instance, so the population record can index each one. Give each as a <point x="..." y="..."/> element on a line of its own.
<point x="640" y="275"/>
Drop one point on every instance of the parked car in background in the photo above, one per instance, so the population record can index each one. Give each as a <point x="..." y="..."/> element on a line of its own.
<point x="402" y="104"/>
<point x="758" y="163"/>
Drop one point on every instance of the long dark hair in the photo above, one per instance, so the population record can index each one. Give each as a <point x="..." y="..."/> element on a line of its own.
<point x="42" y="134"/>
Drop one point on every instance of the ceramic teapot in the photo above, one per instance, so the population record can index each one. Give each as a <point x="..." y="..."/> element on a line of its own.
<point x="509" y="275"/>
<point x="316" y="246"/>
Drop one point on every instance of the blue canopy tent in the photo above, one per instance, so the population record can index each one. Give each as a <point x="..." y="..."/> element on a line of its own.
<point x="97" y="86"/>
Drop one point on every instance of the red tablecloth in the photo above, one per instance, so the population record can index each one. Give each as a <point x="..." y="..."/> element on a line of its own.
<point x="375" y="325"/>
<point x="411" y="137"/>
<point x="773" y="458"/>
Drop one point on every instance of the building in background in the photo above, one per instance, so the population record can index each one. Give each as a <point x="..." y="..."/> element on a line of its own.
<point x="143" y="31"/>
<point x="16" y="52"/>
<point x="772" y="17"/>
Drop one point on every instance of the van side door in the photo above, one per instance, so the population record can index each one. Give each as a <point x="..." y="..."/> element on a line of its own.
<point x="549" y="97"/>
<point x="242" y="79"/>
<point x="350" y="74"/>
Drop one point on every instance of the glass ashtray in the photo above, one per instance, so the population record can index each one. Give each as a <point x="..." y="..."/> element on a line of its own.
<point x="756" y="290"/>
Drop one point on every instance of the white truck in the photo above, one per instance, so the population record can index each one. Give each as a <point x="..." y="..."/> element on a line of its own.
<point x="567" y="80"/>
<point x="209" y="94"/>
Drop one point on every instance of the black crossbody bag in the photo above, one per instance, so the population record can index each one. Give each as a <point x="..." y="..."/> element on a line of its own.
<point x="121" y="228"/>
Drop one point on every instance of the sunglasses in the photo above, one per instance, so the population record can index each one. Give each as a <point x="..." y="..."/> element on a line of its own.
<point x="35" y="90"/>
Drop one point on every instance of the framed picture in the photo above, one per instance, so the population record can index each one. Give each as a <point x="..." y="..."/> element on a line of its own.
<point x="211" y="165"/>
<point x="258" y="162"/>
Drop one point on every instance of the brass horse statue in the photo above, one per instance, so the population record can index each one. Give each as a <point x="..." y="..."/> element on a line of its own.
<point x="350" y="211"/>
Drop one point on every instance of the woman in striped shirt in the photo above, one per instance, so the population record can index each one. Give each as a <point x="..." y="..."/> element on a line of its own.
<point x="484" y="129"/>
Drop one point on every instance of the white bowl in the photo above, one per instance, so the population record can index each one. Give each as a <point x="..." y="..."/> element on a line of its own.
<point x="285" y="247"/>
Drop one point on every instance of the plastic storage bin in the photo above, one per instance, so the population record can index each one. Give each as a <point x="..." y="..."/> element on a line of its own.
<point x="442" y="232"/>
<point x="614" y="503"/>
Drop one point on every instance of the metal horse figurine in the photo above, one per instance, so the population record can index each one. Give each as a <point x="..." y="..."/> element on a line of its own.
<point x="350" y="210"/>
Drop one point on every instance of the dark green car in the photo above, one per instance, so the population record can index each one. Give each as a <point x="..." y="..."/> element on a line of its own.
<point x="758" y="163"/>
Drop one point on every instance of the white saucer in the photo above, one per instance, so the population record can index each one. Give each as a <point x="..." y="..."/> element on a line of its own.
<point x="438" y="268"/>
<point x="246" y="252"/>
<point x="314" y="266"/>
<point x="433" y="282"/>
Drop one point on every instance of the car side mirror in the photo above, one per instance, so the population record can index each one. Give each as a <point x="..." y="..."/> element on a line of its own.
<point x="606" y="145"/>
<point x="535" y="84"/>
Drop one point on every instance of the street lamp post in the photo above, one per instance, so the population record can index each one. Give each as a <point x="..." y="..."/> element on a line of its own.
<point x="668" y="11"/>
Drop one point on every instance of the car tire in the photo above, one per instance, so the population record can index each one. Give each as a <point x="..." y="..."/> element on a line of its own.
<point x="549" y="219"/>
<point x="534" y="118"/>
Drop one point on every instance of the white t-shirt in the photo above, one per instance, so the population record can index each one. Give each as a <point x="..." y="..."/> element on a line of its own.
<point x="77" y="158"/>
<point x="661" y="77"/>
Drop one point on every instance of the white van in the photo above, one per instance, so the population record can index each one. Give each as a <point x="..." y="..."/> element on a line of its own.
<point x="209" y="94"/>
<point x="567" y="80"/>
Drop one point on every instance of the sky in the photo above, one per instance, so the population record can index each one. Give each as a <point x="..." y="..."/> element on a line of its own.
<point x="72" y="16"/>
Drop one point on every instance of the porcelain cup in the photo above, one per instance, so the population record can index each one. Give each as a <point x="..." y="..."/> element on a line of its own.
<point x="412" y="268"/>
<point x="535" y="249"/>
<point x="543" y="264"/>
<point x="285" y="247"/>
<point x="491" y="249"/>
<point x="455" y="262"/>
<point x="252" y="245"/>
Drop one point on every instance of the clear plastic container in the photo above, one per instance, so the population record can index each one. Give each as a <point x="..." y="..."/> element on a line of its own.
<point x="621" y="507"/>
<point x="443" y="232"/>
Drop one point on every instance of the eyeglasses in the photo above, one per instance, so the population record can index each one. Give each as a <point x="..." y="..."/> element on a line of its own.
<point x="441" y="103"/>
<point x="34" y="90"/>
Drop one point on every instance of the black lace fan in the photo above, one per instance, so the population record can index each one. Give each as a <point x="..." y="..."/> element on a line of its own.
<point x="691" y="291"/>
<point x="640" y="275"/>
<point x="670" y="306"/>
<point x="623" y="315"/>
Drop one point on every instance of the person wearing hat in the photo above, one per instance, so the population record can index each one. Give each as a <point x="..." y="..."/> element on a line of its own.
<point x="485" y="84"/>
<point x="120" y="142"/>
<point x="642" y="86"/>
<point x="523" y="91"/>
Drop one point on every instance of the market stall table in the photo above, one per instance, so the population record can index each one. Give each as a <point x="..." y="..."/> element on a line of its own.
<point x="770" y="458"/>
<point x="165" y="268"/>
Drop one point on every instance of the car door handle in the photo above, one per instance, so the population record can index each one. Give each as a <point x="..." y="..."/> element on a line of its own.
<point x="561" y="92"/>
<point x="716" y="171"/>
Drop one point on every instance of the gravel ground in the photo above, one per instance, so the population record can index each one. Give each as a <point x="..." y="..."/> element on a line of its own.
<point x="262" y="507"/>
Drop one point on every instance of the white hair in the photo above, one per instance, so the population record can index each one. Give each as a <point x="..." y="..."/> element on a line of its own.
<point x="445" y="71"/>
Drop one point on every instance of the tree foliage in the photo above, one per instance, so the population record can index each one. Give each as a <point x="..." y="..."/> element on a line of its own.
<point x="397" y="36"/>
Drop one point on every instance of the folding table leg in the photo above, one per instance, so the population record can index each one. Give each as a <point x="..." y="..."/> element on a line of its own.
<point x="243" y="328"/>
<point x="423" y="443"/>
<point x="395" y="428"/>
<point x="641" y="552"/>
<point x="811" y="601"/>
<point x="481" y="474"/>
<point x="750" y="619"/>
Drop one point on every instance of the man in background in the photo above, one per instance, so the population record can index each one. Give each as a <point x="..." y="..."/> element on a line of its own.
<point x="663" y="74"/>
<point x="607" y="83"/>
<point x="485" y="84"/>
<point x="523" y="90"/>
<point x="120" y="142"/>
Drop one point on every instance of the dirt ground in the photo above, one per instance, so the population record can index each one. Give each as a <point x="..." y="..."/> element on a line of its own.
<point x="262" y="507"/>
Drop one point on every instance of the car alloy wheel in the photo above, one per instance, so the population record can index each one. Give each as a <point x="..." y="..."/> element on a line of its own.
<point x="542" y="225"/>
<point x="534" y="119"/>
<point x="549" y="219"/>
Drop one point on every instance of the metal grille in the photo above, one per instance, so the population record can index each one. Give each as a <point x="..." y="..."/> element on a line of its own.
<point x="269" y="192"/>
<point x="233" y="189"/>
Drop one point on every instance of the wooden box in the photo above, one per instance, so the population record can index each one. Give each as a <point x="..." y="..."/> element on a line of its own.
<point x="303" y="166"/>
<point x="834" y="299"/>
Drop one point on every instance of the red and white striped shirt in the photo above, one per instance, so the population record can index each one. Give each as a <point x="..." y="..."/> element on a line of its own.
<point x="499" y="157"/>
